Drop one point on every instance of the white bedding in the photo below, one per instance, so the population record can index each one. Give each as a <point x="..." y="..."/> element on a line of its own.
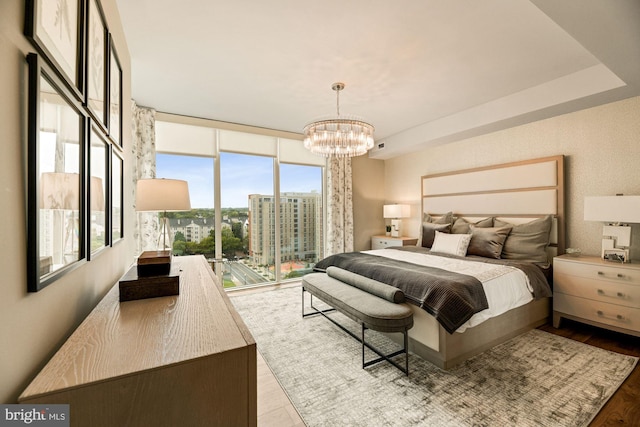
<point x="505" y="287"/>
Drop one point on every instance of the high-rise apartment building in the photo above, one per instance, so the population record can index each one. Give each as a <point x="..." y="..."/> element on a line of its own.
<point x="301" y="228"/>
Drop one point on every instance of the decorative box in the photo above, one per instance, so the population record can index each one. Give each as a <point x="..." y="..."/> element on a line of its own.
<point x="154" y="263"/>
<point x="133" y="286"/>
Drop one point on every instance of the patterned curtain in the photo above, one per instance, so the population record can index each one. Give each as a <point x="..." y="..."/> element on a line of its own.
<point x="143" y="130"/>
<point x="339" y="207"/>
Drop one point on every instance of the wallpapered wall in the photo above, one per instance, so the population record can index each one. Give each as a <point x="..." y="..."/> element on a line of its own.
<point x="602" y="153"/>
<point x="34" y="325"/>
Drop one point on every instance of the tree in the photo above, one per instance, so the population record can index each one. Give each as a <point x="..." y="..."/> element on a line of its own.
<point x="236" y="227"/>
<point x="230" y="243"/>
<point x="179" y="237"/>
<point x="207" y="246"/>
<point x="179" y="247"/>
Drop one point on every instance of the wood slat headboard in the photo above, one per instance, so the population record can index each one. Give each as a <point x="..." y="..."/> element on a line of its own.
<point x="515" y="192"/>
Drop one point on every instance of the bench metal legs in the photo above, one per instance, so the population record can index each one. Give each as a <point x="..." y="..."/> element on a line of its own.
<point x="404" y="369"/>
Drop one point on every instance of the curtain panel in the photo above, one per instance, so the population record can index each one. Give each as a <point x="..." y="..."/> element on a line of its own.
<point x="339" y="206"/>
<point x="143" y="132"/>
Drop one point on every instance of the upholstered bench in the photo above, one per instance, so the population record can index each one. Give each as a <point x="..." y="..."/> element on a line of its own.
<point x="372" y="304"/>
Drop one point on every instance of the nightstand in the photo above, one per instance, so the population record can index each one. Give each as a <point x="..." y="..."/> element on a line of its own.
<point x="597" y="292"/>
<point x="381" y="242"/>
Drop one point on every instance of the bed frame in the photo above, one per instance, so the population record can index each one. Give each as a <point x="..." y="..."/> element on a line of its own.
<point x="513" y="192"/>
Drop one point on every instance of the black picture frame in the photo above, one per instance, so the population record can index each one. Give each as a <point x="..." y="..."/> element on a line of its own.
<point x="98" y="199"/>
<point x="117" y="196"/>
<point x="97" y="64"/>
<point x="115" y="95"/>
<point x="57" y="31"/>
<point x="56" y="177"/>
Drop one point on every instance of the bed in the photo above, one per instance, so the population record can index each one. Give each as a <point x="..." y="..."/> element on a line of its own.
<point x="469" y="210"/>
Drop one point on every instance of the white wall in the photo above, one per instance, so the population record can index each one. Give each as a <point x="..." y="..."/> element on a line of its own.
<point x="602" y="157"/>
<point x="34" y="325"/>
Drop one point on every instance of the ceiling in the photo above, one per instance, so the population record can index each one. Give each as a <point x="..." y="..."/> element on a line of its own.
<point x="423" y="72"/>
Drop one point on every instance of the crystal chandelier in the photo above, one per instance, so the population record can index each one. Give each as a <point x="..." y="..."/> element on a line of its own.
<point x="338" y="136"/>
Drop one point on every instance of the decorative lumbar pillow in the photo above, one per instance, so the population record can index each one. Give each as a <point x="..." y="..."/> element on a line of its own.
<point x="461" y="226"/>
<point x="429" y="232"/>
<point x="527" y="242"/>
<point x="487" y="242"/>
<point x="454" y="244"/>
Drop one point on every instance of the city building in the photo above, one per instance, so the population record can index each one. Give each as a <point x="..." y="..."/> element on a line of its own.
<point x="300" y="228"/>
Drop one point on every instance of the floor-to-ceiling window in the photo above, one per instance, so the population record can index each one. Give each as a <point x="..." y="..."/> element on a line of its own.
<point x="301" y="225"/>
<point x="248" y="223"/>
<point x="257" y="200"/>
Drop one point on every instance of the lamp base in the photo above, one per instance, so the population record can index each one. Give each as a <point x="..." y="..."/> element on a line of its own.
<point x="616" y="240"/>
<point x="396" y="228"/>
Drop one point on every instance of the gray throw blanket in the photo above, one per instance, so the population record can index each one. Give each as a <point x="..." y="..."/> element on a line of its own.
<point x="450" y="297"/>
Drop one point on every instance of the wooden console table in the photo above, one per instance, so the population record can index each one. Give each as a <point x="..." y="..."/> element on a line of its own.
<point x="184" y="360"/>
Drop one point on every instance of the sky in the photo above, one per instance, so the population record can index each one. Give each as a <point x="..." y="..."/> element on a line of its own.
<point x="241" y="175"/>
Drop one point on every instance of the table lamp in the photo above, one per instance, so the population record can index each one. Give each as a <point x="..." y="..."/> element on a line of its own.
<point x="395" y="212"/>
<point x="616" y="212"/>
<point x="161" y="195"/>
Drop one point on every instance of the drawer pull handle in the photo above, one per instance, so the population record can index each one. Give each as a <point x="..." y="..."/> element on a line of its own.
<point x="617" y="316"/>
<point x="600" y="273"/>
<point x="618" y="294"/>
<point x="620" y="275"/>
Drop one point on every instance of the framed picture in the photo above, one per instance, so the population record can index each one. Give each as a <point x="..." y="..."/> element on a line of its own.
<point x="99" y="160"/>
<point x="115" y="96"/>
<point x="56" y="29"/>
<point x="56" y="184"/>
<point x="96" y="63"/>
<point x="117" y="182"/>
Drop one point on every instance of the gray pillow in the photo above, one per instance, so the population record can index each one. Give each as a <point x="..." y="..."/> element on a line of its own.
<point x="429" y="232"/>
<point x="488" y="241"/>
<point x="444" y="219"/>
<point x="527" y="242"/>
<point x="461" y="226"/>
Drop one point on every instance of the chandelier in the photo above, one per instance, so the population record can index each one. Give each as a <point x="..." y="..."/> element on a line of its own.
<point x="338" y="136"/>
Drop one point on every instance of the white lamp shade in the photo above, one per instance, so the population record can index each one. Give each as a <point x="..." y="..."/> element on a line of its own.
<point x="162" y="195"/>
<point x="396" y="211"/>
<point x="612" y="209"/>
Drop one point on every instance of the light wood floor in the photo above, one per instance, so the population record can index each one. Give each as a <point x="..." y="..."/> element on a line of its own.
<point x="274" y="407"/>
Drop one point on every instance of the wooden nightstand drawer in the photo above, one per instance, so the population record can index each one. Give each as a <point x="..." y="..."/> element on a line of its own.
<point x="595" y="268"/>
<point x="599" y="290"/>
<point x="597" y="311"/>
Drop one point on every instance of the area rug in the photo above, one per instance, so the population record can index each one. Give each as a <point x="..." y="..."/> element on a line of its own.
<point x="535" y="379"/>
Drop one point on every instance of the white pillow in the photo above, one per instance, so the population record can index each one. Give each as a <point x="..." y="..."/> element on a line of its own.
<point x="454" y="244"/>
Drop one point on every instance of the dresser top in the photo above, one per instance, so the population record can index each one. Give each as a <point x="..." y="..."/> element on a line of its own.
<point x="120" y="338"/>
<point x="594" y="260"/>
